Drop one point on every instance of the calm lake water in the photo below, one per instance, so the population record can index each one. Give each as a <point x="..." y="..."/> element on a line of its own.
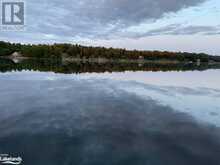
<point x="64" y="115"/>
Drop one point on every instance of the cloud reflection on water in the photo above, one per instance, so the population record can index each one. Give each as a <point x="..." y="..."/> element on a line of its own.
<point x="95" y="121"/>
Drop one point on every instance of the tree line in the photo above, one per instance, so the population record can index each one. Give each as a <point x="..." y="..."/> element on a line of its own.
<point x="87" y="52"/>
<point x="56" y="66"/>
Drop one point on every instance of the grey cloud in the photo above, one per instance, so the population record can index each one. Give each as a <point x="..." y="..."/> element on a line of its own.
<point x="96" y="18"/>
<point x="178" y="29"/>
<point x="195" y="29"/>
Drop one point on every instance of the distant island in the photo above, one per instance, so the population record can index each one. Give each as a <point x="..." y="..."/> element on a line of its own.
<point x="78" y="52"/>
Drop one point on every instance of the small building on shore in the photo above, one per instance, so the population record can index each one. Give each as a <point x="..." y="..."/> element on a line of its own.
<point x="16" y="55"/>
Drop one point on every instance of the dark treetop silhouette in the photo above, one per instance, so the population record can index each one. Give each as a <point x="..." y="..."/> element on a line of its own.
<point x="83" y="52"/>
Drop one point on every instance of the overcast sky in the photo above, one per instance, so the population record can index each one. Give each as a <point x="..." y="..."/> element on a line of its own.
<point x="175" y="25"/>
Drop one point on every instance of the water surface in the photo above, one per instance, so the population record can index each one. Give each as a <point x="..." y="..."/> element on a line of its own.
<point x="133" y="117"/>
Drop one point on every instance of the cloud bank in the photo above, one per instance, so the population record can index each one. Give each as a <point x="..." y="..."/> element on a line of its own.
<point x="97" y="18"/>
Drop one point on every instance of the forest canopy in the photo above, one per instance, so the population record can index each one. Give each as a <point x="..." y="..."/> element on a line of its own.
<point x="86" y="52"/>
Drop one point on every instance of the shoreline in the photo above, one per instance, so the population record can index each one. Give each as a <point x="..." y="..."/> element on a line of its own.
<point x="105" y="60"/>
